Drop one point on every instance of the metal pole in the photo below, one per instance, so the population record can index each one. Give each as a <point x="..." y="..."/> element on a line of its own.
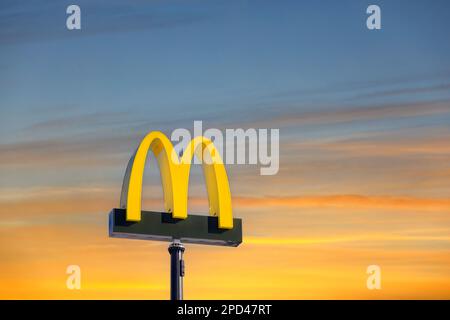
<point x="176" y="250"/>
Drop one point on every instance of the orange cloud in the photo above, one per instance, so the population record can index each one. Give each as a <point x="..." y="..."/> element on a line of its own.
<point x="98" y="198"/>
<point x="346" y="201"/>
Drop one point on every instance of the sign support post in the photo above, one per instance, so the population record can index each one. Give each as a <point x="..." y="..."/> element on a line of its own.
<point x="176" y="250"/>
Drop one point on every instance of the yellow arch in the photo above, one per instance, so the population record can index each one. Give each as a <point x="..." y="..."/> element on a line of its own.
<point x="175" y="178"/>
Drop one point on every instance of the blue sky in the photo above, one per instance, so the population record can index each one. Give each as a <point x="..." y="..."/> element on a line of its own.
<point x="225" y="59"/>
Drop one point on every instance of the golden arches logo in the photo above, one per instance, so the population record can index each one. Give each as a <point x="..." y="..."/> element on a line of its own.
<point x="175" y="178"/>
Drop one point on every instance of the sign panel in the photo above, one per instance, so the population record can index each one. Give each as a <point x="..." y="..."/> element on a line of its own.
<point x="162" y="226"/>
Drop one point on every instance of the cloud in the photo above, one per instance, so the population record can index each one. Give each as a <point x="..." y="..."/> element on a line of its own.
<point x="85" y="122"/>
<point x="349" y="88"/>
<point x="358" y="238"/>
<point x="41" y="20"/>
<point x="88" y="149"/>
<point x="403" y="91"/>
<point x="346" y="201"/>
<point x="407" y="143"/>
<point x="393" y="148"/>
<point x="90" y="199"/>
<point x="354" y="114"/>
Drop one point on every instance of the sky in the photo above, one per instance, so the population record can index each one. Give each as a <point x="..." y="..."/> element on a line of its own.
<point x="364" y="120"/>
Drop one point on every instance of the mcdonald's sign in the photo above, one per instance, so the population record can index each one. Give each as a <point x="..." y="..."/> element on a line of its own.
<point x="130" y="221"/>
